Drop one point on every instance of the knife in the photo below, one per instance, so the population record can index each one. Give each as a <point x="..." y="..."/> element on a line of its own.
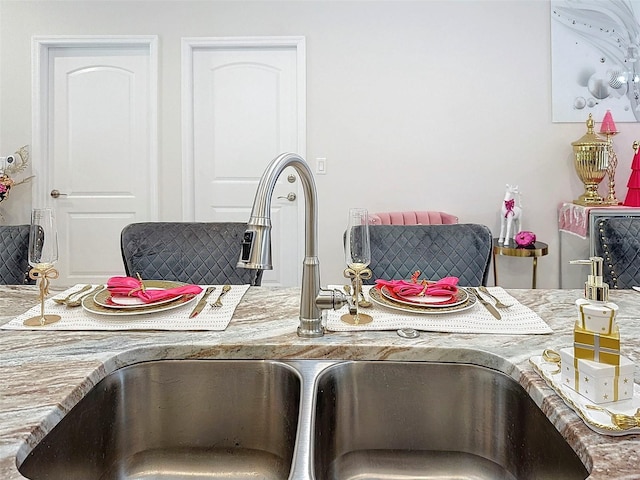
<point x="492" y="310"/>
<point x="203" y="301"/>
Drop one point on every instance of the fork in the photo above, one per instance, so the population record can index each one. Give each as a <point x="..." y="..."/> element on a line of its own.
<point x="67" y="299"/>
<point x="620" y="420"/>
<point x="498" y="304"/>
<point x="218" y="302"/>
<point x="78" y="301"/>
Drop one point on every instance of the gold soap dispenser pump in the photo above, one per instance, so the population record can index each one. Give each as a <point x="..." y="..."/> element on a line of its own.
<point x="594" y="288"/>
<point x="597" y="313"/>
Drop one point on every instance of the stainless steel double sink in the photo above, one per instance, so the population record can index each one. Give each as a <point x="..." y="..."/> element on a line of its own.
<point x="306" y="419"/>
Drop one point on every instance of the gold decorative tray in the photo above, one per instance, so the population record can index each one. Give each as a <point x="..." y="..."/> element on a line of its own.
<point x="598" y="421"/>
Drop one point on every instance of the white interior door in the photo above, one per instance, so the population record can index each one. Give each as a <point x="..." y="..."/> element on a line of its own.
<point x="244" y="105"/>
<point x="97" y="102"/>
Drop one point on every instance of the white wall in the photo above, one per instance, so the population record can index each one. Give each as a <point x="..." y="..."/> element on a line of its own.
<point x="416" y="105"/>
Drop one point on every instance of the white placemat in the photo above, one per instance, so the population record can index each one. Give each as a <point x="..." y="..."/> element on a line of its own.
<point x="177" y="319"/>
<point x="517" y="319"/>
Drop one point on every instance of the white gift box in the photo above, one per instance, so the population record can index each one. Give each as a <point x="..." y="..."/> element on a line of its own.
<point x="597" y="317"/>
<point x="598" y="382"/>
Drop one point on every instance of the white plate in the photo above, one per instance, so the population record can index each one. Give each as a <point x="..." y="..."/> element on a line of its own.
<point x="91" y="305"/>
<point x="429" y="301"/>
<point x="105" y="299"/>
<point x="381" y="300"/>
<point x="597" y="421"/>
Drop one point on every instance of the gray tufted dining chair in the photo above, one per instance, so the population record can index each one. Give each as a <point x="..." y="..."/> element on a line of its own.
<point x="192" y="252"/>
<point x="14" y="255"/>
<point x="460" y="250"/>
<point x="617" y="241"/>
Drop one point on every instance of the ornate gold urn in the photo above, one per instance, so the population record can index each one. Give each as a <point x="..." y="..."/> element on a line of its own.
<point x="592" y="162"/>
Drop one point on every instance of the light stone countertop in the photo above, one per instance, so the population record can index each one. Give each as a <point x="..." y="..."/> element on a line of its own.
<point x="44" y="374"/>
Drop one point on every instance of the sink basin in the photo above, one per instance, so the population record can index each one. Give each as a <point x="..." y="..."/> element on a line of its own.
<point x="177" y="420"/>
<point x="304" y="420"/>
<point x="403" y="420"/>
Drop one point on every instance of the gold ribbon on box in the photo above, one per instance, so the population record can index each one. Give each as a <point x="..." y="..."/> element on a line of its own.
<point x="616" y="376"/>
<point x="606" y="310"/>
<point x="597" y="347"/>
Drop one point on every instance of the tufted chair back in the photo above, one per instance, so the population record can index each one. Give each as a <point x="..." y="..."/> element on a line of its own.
<point x="412" y="218"/>
<point x="14" y="255"/>
<point x="460" y="250"/>
<point x="200" y="253"/>
<point x="617" y="241"/>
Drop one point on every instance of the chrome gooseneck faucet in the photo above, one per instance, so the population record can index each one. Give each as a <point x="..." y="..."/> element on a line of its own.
<point x="256" y="243"/>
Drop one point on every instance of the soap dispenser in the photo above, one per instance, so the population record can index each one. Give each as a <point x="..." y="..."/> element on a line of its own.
<point x="597" y="313"/>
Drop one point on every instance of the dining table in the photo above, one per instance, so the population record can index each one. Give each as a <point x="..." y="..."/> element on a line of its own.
<point x="45" y="372"/>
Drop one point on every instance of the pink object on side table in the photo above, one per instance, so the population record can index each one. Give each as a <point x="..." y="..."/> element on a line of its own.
<point x="525" y="239"/>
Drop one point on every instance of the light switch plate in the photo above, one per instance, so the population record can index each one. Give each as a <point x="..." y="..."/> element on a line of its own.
<point x="321" y="166"/>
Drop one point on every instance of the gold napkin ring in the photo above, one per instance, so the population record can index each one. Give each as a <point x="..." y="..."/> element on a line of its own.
<point x="551" y="356"/>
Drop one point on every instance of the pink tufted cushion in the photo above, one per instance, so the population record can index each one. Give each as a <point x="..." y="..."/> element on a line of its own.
<point x="412" y="218"/>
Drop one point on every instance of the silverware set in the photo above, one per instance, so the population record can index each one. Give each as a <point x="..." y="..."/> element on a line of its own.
<point x="491" y="307"/>
<point x="498" y="303"/>
<point x="74" y="299"/>
<point x="203" y="301"/>
<point x="67" y="299"/>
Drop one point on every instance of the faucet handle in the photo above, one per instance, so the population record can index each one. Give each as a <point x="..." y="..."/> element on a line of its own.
<point x="334" y="299"/>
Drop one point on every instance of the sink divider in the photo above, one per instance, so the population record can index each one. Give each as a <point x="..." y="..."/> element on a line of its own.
<point x="301" y="468"/>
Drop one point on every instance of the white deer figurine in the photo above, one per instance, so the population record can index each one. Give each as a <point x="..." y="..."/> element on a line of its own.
<point x="511" y="214"/>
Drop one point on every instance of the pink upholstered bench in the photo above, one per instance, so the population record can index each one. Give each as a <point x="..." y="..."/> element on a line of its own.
<point x="412" y="218"/>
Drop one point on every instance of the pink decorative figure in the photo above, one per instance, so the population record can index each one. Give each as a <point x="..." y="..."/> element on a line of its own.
<point x="608" y="126"/>
<point x="511" y="214"/>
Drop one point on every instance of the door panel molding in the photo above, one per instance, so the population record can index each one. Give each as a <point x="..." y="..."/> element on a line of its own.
<point x="41" y="55"/>
<point x="189" y="45"/>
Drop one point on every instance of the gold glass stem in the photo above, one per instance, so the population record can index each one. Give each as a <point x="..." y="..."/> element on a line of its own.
<point x="43" y="294"/>
<point x="356" y="276"/>
<point x="42" y="276"/>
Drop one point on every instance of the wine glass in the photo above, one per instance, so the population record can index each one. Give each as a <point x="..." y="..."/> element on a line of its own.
<point x="357" y="251"/>
<point x="43" y="255"/>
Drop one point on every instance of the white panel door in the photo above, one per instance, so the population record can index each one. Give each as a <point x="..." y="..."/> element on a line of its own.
<point x="247" y="109"/>
<point x="100" y="150"/>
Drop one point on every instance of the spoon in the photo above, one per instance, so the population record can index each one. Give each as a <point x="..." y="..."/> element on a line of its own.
<point x="498" y="304"/>
<point x="78" y="301"/>
<point x="620" y="420"/>
<point x="67" y="299"/>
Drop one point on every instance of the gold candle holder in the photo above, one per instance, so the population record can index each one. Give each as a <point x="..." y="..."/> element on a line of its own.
<point x="611" y="174"/>
<point x="609" y="129"/>
<point x="357" y="275"/>
<point x="43" y="275"/>
<point x="591" y="162"/>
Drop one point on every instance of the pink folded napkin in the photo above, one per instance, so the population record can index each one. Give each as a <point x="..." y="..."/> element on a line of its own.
<point x="132" y="287"/>
<point x="444" y="287"/>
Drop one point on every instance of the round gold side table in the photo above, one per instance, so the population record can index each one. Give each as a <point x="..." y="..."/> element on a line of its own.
<point x="539" y="249"/>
